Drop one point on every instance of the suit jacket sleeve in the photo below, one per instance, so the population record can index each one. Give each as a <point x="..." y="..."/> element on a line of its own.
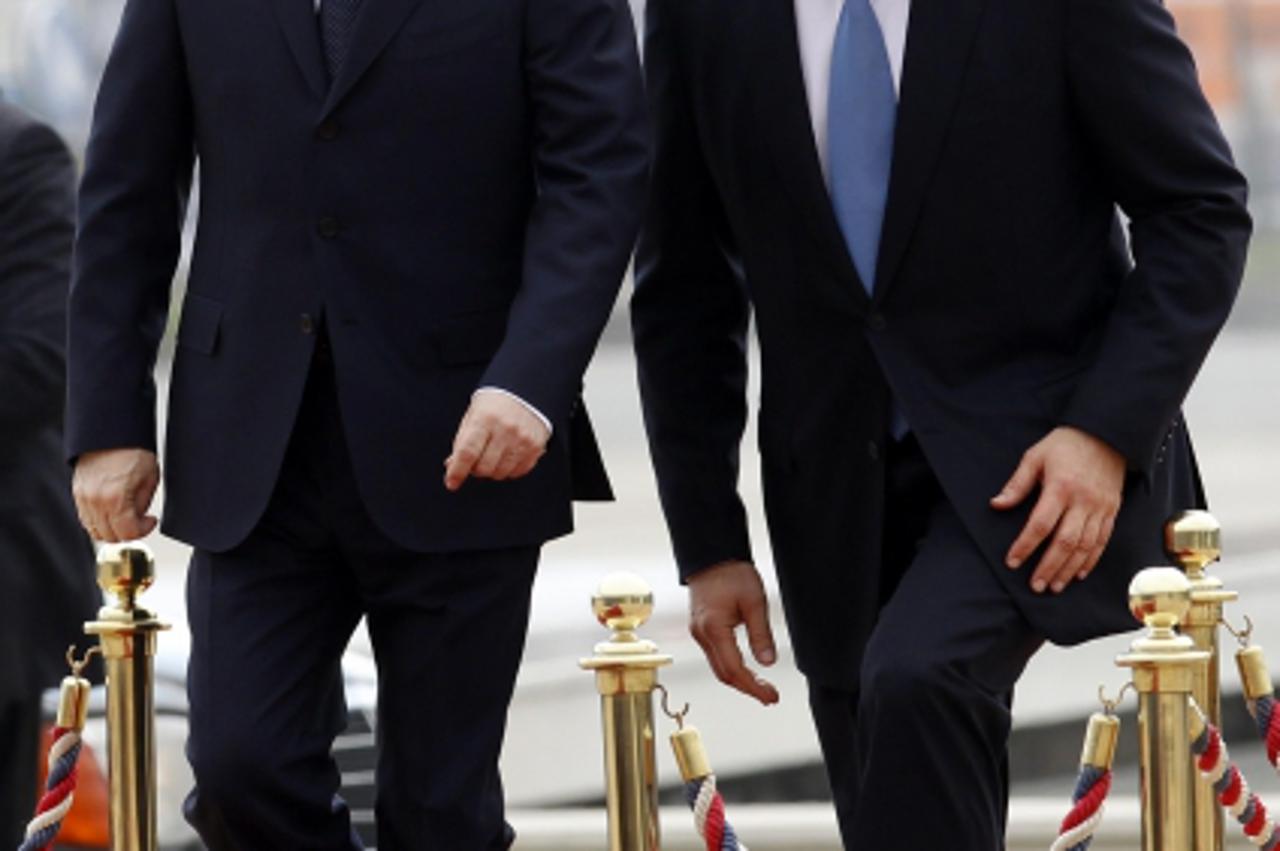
<point x="37" y="210"/>
<point x="690" y="317"/>
<point x="591" y="159"/>
<point x="132" y="205"/>
<point x="1157" y="142"/>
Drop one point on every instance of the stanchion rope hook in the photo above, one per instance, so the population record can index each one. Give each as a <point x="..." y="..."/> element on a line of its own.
<point x="677" y="717"/>
<point x="1108" y="705"/>
<point x="1241" y="635"/>
<point x="78" y="667"/>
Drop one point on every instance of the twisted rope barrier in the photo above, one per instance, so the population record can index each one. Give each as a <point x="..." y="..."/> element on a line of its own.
<point x="1088" y="805"/>
<point x="1267" y="716"/>
<point x="709" y="817"/>
<point x="60" y="791"/>
<point x="700" y="783"/>
<point x="1229" y="784"/>
<point x="1088" y="801"/>
<point x="1259" y="693"/>
<point x="64" y="758"/>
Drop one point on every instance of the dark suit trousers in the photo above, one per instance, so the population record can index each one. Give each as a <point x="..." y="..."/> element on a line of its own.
<point x="19" y="763"/>
<point x="916" y="750"/>
<point x="270" y="620"/>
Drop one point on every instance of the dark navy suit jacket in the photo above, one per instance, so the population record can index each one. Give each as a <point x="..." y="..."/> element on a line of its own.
<point x="458" y="206"/>
<point x="1007" y="300"/>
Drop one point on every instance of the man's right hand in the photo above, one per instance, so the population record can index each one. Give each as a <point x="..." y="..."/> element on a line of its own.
<point x="720" y="598"/>
<point x="113" y="490"/>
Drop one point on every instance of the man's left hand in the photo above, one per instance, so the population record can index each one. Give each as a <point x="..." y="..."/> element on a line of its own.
<point x="499" y="438"/>
<point x="1081" y="481"/>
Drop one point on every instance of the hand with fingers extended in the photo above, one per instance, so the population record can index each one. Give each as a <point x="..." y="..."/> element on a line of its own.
<point x="721" y="598"/>
<point x="113" y="490"/>
<point x="1081" y="480"/>
<point x="500" y="438"/>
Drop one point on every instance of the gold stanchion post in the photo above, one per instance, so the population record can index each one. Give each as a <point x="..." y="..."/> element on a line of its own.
<point x="626" y="669"/>
<point x="1164" y="666"/>
<point x="127" y="634"/>
<point x="1194" y="538"/>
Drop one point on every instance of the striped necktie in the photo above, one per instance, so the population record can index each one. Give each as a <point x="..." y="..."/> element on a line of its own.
<point x="337" y="23"/>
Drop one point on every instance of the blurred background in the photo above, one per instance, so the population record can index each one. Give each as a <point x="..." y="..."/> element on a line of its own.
<point x="51" y="56"/>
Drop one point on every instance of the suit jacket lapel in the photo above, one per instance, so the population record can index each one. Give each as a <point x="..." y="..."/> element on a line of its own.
<point x="378" y="22"/>
<point x="939" y="40"/>
<point x="298" y="20"/>
<point x="784" y="120"/>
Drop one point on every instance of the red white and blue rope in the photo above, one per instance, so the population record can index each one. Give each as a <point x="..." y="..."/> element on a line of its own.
<point x="1088" y="802"/>
<point x="1267" y="716"/>
<point x="59" y="794"/>
<point x="1232" y="791"/>
<point x="708" y="815"/>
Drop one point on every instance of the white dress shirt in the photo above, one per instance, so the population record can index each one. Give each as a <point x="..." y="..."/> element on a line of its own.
<point x="816" y="22"/>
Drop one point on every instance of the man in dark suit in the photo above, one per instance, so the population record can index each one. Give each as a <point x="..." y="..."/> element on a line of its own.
<point x="414" y="217"/>
<point x="46" y="561"/>
<point x="971" y="380"/>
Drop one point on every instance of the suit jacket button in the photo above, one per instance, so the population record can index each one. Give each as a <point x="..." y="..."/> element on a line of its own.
<point x="328" y="227"/>
<point x="327" y="131"/>
<point x="306" y="324"/>
<point x="876" y="322"/>
<point x="873" y="450"/>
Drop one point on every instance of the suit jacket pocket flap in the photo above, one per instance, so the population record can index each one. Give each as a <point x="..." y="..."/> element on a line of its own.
<point x="473" y="338"/>
<point x="201" y="319"/>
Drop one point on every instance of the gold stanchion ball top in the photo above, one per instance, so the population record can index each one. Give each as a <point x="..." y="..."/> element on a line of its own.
<point x="125" y="570"/>
<point x="1194" y="538"/>
<point x="1160" y="596"/>
<point x="622" y="602"/>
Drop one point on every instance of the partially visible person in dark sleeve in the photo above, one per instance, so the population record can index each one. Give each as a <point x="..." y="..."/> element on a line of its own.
<point x="47" y="587"/>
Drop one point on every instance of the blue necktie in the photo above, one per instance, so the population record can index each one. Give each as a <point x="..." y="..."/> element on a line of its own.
<point x="862" y="113"/>
<point x="337" y="23"/>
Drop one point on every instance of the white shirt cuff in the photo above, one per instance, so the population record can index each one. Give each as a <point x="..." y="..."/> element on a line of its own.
<point x="530" y="408"/>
